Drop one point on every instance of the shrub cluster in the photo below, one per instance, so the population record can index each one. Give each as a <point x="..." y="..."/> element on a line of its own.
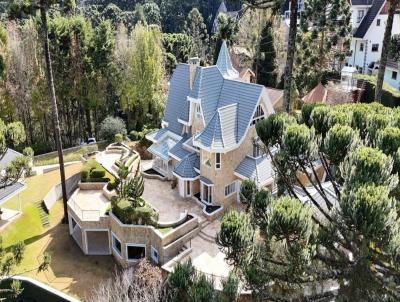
<point x="92" y="171"/>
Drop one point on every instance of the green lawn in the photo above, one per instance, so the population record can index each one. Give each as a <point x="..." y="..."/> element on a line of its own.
<point x="70" y="270"/>
<point x="28" y="226"/>
<point x="165" y="230"/>
<point x="69" y="156"/>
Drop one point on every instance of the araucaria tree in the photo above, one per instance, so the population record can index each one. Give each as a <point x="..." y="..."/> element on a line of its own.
<point x="266" y="64"/>
<point x="291" y="47"/>
<point x="344" y="232"/>
<point x="324" y="39"/>
<point x="17" y="10"/>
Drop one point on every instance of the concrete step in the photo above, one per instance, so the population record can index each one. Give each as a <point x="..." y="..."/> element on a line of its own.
<point x="207" y="237"/>
<point x="44" y="216"/>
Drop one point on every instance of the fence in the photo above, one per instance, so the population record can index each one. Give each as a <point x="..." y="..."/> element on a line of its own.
<point x="55" y="192"/>
<point x="54" y="153"/>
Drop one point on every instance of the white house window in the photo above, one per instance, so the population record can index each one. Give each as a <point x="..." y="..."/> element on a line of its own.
<point x="217" y="161"/>
<point x="378" y="22"/>
<point x="360" y="16"/>
<point x="135" y="252"/>
<point x="206" y="193"/>
<point x="230" y="189"/>
<point x="116" y="244"/>
<point x="198" y="111"/>
<point x="361" y="46"/>
<point x="154" y="255"/>
<point x="258" y="116"/>
<point x="375" y="47"/>
<point x="394" y="75"/>
<point x="256" y="151"/>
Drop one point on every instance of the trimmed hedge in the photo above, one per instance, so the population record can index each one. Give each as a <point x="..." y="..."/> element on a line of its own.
<point x="92" y="171"/>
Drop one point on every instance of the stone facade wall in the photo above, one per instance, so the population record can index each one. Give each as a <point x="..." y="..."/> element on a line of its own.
<point x="147" y="236"/>
<point x="92" y="185"/>
<point x="225" y="176"/>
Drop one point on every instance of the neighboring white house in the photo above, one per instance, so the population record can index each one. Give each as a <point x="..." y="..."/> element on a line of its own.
<point x="392" y="73"/>
<point x="369" y="22"/>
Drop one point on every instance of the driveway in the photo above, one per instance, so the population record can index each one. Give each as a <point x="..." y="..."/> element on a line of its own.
<point x="167" y="200"/>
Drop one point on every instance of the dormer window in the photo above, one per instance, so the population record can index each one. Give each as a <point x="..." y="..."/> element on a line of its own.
<point x="198" y="111"/>
<point x="258" y="116"/>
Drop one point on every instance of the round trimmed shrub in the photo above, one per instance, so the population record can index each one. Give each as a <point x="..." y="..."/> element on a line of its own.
<point x="118" y="138"/>
<point x="97" y="173"/>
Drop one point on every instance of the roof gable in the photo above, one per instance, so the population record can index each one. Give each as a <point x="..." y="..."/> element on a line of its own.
<point x="178" y="91"/>
<point x="369" y="19"/>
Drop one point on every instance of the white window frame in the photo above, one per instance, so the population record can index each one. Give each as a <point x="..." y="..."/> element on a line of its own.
<point x="230" y="189"/>
<point x="218" y="164"/>
<point x="259" y="115"/>
<point x="209" y="191"/>
<point x="198" y="111"/>
<point x="257" y="152"/>
<point x="360" y="15"/>
<point x="119" y="253"/>
<point x="372" y="47"/>
<point x="153" y="257"/>
<point x="135" y="245"/>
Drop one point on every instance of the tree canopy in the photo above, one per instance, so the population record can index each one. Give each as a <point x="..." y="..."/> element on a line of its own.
<point x="345" y="230"/>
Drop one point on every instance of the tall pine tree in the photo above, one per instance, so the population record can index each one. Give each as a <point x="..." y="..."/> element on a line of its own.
<point x="265" y="63"/>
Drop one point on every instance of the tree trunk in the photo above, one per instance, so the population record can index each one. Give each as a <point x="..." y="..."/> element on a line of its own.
<point x="290" y="54"/>
<point x="52" y="94"/>
<point x="385" y="50"/>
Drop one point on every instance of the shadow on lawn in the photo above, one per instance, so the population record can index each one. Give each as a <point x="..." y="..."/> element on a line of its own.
<point x="70" y="269"/>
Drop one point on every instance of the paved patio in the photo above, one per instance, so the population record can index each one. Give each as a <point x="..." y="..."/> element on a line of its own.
<point x="107" y="160"/>
<point x="89" y="205"/>
<point x="167" y="200"/>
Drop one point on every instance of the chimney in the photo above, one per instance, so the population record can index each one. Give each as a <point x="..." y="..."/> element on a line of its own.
<point x="193" y="63"/>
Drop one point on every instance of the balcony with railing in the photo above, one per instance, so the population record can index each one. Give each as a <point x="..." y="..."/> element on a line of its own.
<point x="89" y="205"/>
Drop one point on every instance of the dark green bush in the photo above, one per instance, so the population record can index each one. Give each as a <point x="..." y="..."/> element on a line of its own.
<point x="97" y="173"/>
<point x="112" y="185"/>
<point x="135" y="135"/>
<point x="84" y="174"/>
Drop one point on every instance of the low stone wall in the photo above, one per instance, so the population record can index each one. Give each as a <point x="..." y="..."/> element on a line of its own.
<point x="55" y="192"/>
<point x="171" y="224"/>
<point x="108" y="194"/>
<point x="92" y="185"/>
<point x="173" y="248"/>
<point x="181" y="230"/>
<point x="214" y="215"/>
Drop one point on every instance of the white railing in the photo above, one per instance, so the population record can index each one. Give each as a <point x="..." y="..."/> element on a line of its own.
<point x="84" y="215"/>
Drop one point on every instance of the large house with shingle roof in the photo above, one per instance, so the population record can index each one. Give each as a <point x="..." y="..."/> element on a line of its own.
<point x="208" y="140"/>
<point x="369" y="22"/>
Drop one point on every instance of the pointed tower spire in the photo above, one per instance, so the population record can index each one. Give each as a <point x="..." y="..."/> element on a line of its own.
<point x="224" y="62"/>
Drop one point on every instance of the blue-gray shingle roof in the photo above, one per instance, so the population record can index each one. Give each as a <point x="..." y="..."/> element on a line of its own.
<point x="178" y="91"/>
<point x="156" y="135"/>
<point x="258" y="169"/>
<point x="162" y="148"/>
<point x="185" y="168"/>
<point x="206" y="181"/>
<point x="369" y="18"/>
<point x="8" y="157"/>
<point x="178" y="151"/>
<point x="224" y="62"/>
<point x="9" y="191"/>
<point x="221" y="131"/>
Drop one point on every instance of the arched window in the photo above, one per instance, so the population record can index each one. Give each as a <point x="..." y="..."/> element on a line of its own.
<point x="258" y="116"/>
